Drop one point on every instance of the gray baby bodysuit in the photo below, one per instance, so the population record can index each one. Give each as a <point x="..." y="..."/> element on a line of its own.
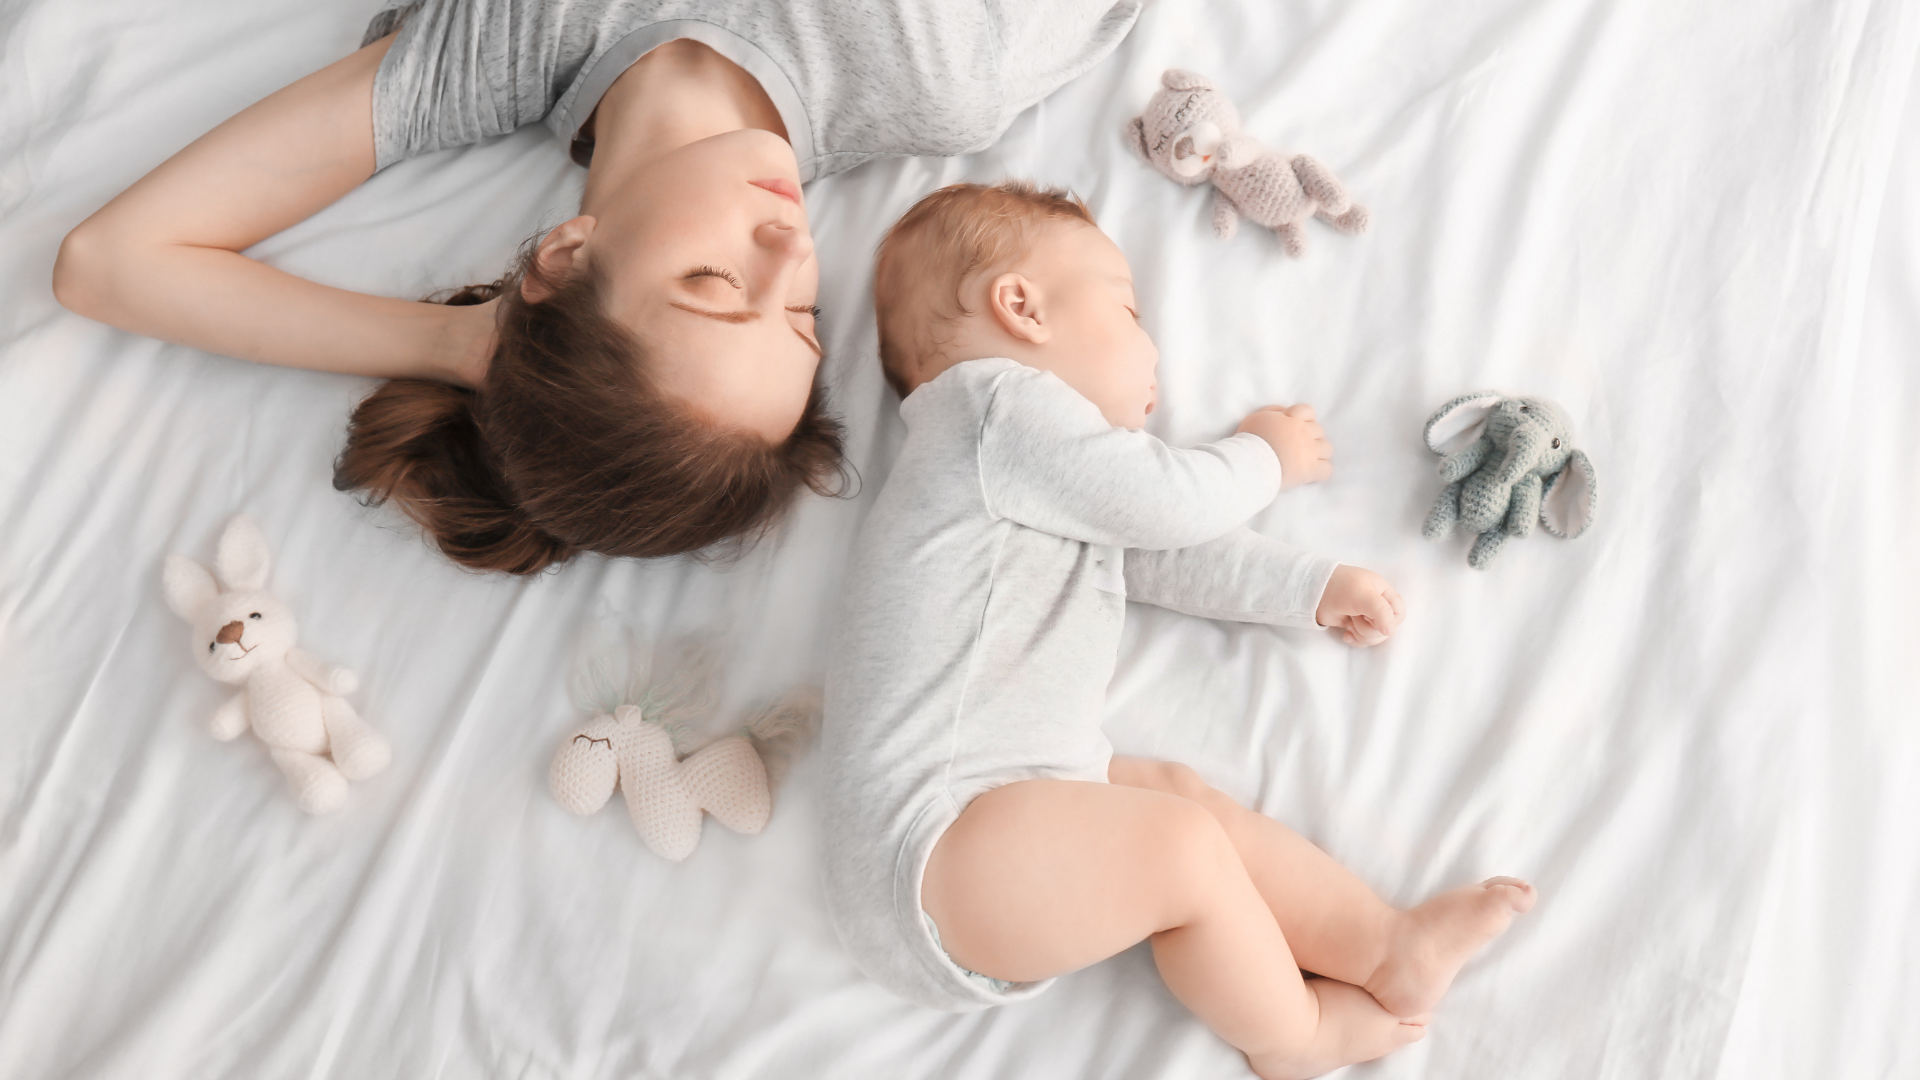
<point x="983" y="618"/>
<point x="853" y="79"/>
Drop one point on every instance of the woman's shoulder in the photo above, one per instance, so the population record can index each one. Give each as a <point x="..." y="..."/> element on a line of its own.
<point x="932" y="77"/>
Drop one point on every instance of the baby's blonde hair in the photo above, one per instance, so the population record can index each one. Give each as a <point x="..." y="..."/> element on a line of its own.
<point x="936" y="246"/>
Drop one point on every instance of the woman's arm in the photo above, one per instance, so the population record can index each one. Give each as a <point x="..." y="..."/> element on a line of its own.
<point x="163" y="258"/>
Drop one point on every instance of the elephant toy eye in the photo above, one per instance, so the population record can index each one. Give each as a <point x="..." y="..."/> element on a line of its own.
<point x="256" y="614"/>
<point x="1526" y="408"/>
<point x="210" y="646"/>
<point x="1556" y="446"/>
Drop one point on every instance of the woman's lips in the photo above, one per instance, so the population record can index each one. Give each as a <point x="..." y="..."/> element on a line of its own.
<point x="780" y="186"/>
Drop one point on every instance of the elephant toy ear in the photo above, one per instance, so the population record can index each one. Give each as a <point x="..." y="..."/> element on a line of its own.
<point x="1459" y="421"/>
<point x="1567" y="508"/>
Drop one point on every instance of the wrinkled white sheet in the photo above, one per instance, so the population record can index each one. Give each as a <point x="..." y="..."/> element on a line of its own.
<point x="1693" y="728"/>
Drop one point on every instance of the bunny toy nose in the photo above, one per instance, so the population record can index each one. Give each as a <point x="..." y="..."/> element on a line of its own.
<point x="230" y="633"/>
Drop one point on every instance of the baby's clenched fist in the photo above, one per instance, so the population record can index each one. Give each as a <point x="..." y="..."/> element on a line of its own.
<point x="1306" y="456"/>
<point x="1361" y="605"/>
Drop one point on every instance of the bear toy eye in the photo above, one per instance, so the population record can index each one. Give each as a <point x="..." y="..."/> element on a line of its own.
<point x="1556" y="444"/>
<point x="256" y="614"/>
<point x="210" y="646"/>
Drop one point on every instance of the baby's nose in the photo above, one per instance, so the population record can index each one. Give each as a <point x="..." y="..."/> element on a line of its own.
<point x="230" y="633"/>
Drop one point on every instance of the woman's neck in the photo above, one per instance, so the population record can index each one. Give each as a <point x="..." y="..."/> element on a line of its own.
<point x="679" y="93"/>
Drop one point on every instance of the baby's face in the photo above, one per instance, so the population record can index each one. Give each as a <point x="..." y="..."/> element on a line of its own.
<point x="1095" y="342"/>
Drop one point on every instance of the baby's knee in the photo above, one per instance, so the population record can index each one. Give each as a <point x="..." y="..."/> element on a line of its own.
<point x="1171" y="777"/>
<point x="1197" y="856"/>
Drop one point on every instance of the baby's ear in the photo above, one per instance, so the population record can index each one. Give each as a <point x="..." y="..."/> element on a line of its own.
<point x="1568" y="507"/>
<point x="188" y="586"/>
<point x="1137" y="136"/>
<point x="1458" y="422"/>
<point x="1176" y="79"/>
<point x="243" y="555"/>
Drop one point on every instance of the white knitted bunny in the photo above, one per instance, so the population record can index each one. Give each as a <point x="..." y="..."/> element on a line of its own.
<point x="245" y="636"/>
<point x="665" y="795"/>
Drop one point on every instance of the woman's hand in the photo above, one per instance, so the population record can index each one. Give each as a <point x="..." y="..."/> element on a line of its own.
<point x="1305" y="455"/>
<point x="164" y="257"/>
<point x="1361" y="605"/>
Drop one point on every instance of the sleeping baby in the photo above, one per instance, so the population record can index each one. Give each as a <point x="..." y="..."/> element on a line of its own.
<point x="982" y="838"/>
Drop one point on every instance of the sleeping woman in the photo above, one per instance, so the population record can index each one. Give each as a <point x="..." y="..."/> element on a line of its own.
<point x="642" y="381"/>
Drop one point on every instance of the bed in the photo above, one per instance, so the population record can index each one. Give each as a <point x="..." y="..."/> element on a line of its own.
<point x="1696" y="728"/>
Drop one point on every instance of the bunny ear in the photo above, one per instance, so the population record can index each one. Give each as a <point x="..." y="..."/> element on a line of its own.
<point x="243" y="555"/>
<point x="1176" y="79"/>
<point x="1459" y="421"/>
<point x="188" y="586"/>
<point x="1137" y="136"/>
<point x="1567" y="508"/>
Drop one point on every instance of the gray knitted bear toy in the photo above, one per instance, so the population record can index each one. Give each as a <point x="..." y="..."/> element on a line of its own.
<point x="1507" y="461"/>
<point x="1191" y="133"/>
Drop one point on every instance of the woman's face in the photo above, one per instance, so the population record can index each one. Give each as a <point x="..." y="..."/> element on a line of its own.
<point x="706" y="256"/>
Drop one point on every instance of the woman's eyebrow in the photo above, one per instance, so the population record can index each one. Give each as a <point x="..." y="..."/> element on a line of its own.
<point x="745" y="316"/>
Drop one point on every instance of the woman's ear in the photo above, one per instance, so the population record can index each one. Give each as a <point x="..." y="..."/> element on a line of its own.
<point x="1019" y="308"/>
<point x="560" y="253"/>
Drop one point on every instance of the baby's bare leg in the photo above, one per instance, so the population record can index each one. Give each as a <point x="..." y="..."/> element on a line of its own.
<point x="1044" y="877"/>
<point x="1335" y="924"/>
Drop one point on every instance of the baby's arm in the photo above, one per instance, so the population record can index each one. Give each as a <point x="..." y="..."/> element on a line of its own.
<point x="1051" y="462"/>
<point x="1240" y="577"/>
<point x="1246" y="577"/>
<point x="164" y="257"/>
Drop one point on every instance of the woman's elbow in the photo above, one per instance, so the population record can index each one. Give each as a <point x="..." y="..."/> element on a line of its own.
<point x="80" y="271"/>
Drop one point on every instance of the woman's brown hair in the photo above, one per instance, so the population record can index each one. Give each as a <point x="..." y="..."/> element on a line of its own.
<point x="569" y="447"/>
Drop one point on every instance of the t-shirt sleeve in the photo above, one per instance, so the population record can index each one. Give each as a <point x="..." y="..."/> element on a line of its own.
<point x="1240" y="577"/>
<point x="1051" y="462"/>
<point x="460" y="71"/>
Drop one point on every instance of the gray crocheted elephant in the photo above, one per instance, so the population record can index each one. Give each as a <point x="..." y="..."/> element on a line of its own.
<point x="1507" y="461"/>
<point x="1191" y="133"/>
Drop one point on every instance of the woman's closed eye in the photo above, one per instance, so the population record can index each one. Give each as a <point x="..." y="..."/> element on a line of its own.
<point x="727" y="276"/>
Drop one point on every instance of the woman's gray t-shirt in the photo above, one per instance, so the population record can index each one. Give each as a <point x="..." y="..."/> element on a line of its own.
<point x="853" y="79"/>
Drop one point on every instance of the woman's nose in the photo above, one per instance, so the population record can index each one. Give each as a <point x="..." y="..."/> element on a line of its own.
<point x="790" y="243"/>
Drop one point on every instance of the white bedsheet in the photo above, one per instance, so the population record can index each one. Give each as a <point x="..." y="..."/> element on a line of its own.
<point x="1693" y="728"/>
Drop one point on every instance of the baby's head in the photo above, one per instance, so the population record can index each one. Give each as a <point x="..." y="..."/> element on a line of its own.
<point x="976" y="271"/>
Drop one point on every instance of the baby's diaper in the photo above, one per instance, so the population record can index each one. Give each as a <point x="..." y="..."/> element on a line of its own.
<point x="998" y="986"/>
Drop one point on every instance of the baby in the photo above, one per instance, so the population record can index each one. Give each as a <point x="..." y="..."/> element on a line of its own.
<point x="981" y="836"/>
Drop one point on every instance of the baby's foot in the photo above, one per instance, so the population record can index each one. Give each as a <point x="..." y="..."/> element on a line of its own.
<point x="1353" y="1027"/>
<point x="1436" y="938"/>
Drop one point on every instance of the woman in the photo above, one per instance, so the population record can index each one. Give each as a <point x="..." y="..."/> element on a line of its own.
<point x="642" y="381"/>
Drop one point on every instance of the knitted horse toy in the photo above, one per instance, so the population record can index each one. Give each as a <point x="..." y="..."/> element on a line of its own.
<point x="1191" y="133"/>
<point x="632" y="745"/>
<point x="665" y="796"/>
<point x="1507" y="462"/>
<point x="291" y="700"/>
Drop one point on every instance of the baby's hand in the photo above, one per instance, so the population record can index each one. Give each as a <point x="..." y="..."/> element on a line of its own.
<point x="1305" y="454"/>
<point x="1362" y="605"/>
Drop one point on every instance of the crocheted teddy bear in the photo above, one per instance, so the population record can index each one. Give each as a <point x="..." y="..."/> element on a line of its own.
<point x="665" y="795"/>
<point x="1191" y="133"/>
<point x="245" y="636"/>
<point x="1507" y="462"/>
